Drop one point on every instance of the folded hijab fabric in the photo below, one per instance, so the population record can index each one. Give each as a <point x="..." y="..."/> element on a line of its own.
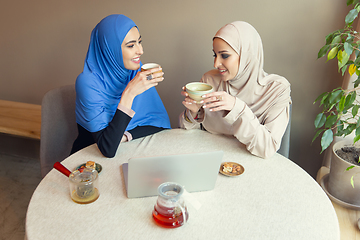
<point x="261" y="112"/>
<point x="104" y="78"/>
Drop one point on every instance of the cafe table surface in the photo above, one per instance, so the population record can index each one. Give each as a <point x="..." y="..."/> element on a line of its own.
<point x="273" y="199"/>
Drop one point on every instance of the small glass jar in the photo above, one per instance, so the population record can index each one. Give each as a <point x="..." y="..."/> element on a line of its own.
<point x="170" y="209"/>
<point x="84" y="186"/>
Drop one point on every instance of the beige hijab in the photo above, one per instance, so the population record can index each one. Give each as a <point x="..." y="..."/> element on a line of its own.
<point x="252" y="84"/>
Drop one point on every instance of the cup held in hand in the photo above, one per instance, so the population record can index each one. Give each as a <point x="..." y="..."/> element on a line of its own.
<point x="197" y="89"/>
<point x="149" y="66"/>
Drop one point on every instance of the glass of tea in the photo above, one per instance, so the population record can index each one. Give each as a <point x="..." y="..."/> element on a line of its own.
<point x="84" y="187"/>
<point x="170" y="210"/>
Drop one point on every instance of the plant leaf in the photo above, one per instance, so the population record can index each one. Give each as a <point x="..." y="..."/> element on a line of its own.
<point x="332" y="53"/>
<point x="340" y="128"/>
<point x="317" y="134"/>
<point x="350" y="38"/>
<point x="320" y="120"/>
<point x="352" y="181"/>
<point x="336" y="39"/>
<point x="352" y="69"/>
<point x="349" y="2"/>
<point x="350" y="17"/>
<point x="350" y="128"/>
<point x="343" y="59"/>
<point x="343" y="70"/>
<point x="351" y="167"/>
<point x="322" y="52"/>
<point x="329" y="38"/>
<point x="325" y="100"/>
<point x="357" y="60"/>
<point x="348" y="48"/>
<point x="335" y="97"/>
<point x="326" y="139"/>
<point x="330" y="121"/>
<point x="321" y="96"/>
<point x="339" y="55"/>
<point x="342" y="104"/>
<point x="350" y="98"/>
<point x="357" y="137"/>
<point x="357" y="52"/>
<point x="355" y="110"/>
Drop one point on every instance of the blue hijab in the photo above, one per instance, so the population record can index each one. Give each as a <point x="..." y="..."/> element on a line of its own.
<point x="104" y="78"/>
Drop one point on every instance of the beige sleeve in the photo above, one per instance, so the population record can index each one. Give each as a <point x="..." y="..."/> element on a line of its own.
<point x="186" y="121"/>
<point x="261" y="139"/>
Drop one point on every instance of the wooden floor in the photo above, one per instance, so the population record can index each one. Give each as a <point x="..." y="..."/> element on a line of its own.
<point x="348" y="220"/>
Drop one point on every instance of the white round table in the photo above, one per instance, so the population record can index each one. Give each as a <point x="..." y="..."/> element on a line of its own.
<point x="273" y="199"/>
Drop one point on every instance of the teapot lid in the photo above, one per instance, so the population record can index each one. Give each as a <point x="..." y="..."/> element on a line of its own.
<point x="170" y="190"/>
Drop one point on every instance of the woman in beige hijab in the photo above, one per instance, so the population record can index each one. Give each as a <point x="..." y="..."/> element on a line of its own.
<point x="247" y="102"/>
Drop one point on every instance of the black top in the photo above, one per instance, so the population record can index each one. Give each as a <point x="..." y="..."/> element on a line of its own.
<point x="109" y="138"/>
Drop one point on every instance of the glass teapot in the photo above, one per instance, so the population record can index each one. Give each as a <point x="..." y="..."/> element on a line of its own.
<point x="170" y="209"/>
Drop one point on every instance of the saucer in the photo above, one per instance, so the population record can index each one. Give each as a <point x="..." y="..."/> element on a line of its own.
<point x="231" y="174"/>
<point x="324" y="184"/>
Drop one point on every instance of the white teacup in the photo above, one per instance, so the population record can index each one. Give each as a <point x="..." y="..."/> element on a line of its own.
<point x="149" y="66"/>
<point x="198" y="89"/>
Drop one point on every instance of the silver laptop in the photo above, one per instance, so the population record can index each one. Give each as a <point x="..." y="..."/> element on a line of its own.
<point x="195" y="171"/>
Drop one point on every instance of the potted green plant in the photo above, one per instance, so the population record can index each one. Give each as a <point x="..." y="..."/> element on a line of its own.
<point x="340" y="108"/>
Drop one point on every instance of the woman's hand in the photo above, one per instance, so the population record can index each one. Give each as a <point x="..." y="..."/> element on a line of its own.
<point x="139" y="84"/>
<point x="217" y="101"/>
<point x="124" y="138"/>
<point x="190" y="103"/>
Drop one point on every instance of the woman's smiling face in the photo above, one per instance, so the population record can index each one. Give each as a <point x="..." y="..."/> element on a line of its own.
<point x="226" y="60"/>
<point x="132" y="49"/>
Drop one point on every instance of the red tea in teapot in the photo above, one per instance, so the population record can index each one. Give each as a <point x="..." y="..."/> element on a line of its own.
<point x="170" y="209"/>
<point x="169" y="217"/>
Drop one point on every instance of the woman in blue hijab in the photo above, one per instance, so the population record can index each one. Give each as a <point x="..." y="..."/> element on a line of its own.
<point x="115" y="101"/>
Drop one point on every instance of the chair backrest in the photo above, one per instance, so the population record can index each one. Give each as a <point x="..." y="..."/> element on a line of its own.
<point x="285" y="142"/>
<point x="58" y="126"/>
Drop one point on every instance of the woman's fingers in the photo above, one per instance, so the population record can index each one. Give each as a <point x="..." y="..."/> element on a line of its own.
<point x="140" y="82"/>
<point x="189" y="103"/>
<point x="155" y="76"/>
<point x="153" y="73"/>
<point x="217" y="101"/>
<point x="214" y="106"/>
<point x="191" y="106"/>
<point x="213" y="97"/>
<point x="187" y="98"/>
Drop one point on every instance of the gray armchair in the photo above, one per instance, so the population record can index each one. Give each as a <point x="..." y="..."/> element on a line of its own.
<point x="58" y="126"/>
<point x="285" y="142"/>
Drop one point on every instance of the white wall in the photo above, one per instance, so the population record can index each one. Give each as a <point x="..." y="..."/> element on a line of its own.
<point x="43" y="46"/>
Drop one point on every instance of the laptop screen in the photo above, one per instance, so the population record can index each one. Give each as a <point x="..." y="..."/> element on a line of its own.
<point x="195" y="171"/>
